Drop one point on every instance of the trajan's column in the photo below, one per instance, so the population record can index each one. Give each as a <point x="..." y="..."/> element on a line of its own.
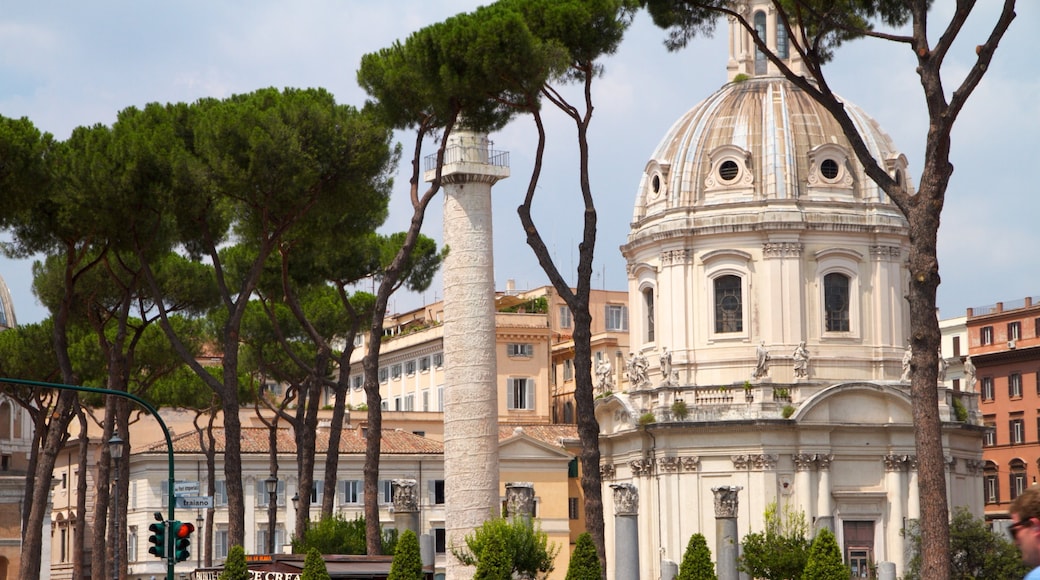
<point x="470" y="394"/>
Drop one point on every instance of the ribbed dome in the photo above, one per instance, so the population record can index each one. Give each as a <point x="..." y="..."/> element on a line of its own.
<point x="762" y="139"/>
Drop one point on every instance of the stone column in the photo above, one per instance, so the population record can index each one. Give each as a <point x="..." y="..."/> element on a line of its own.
<point x="727" y="540"/>
<point x="803" y="463"/>
<point x="894" y="482"/>
<point x="470" y="370"/>
<point x="626" y="531"/>
<point x="825" y="517"/>
<point x="520" y="499"/>
<point x="406" y="505"/>
<point x="913" y="497"/>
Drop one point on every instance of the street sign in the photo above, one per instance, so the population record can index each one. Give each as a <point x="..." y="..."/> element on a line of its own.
<point x="183" y="488"/>
<point x="195" y="502"/>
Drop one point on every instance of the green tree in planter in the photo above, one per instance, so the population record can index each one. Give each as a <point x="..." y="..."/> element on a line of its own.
<point x="584" y="561"/>
<point x="825" y="561"/>
<point x="696" y="562"/>
<point x="235" y="565"/>
<point x="780" y="551"/>
<point x="407" y="563"/>
<point x="314" y="567"/>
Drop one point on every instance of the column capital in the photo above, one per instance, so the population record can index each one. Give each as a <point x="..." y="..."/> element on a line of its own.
<point x="520" y="498"/>
<point x="405" y="497"/>
<point x="626" y="499"/>
<point x="726" y="501"/>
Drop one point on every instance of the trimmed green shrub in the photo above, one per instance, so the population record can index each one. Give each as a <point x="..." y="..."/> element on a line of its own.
<point x="825" y="562"/>
<point x="407" y="564"/>
<point x="584" y="561"/>
<point x="314" y="567"/>
<point x="696" y="562"/>
<point x="235" y="565"/>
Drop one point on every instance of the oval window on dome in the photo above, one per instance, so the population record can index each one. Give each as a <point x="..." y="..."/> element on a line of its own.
<point x="829" y="169"/>
<point x="655" y="183"/>
<point x="729" y="170"/>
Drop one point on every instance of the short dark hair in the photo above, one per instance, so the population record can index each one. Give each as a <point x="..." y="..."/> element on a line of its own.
<point x="1027" y="504"/>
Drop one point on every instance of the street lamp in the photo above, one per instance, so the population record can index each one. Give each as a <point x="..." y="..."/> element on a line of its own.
<point x="115" y="449"/>
<point x="271" y="485"/>
<point x="199" y="519"/>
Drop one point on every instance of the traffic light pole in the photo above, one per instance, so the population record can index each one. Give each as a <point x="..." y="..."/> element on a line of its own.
<point x="170" y="561"/>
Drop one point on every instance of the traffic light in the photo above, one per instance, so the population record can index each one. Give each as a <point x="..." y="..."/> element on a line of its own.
<point x="158" y="537"/>
<point x="181" y="533"/>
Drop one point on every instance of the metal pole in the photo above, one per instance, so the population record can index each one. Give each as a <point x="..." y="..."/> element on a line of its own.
<point x="115" y="526"/>
<point x="170" y="561"/>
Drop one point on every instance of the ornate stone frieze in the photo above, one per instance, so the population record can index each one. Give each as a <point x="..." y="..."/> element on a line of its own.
<point x="726" y="501"/>
<point x="405" y="498"/>
<point x="520" y="498"/>
<point x="669" y="464"/>
<point x="691" y="463"/>
<point x="607" y="471"/>
<point x="641" y="467"/>
<point x="681" y="256"/>
<point x="626" y="499"/>
<point x="782" y="249"/>
<point x="880" y="252"/>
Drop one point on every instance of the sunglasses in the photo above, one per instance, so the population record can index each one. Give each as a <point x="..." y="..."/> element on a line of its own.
<point x="1015" y="527"/>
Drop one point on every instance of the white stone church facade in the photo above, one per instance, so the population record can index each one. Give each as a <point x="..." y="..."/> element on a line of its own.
<point x="766" y="289"/>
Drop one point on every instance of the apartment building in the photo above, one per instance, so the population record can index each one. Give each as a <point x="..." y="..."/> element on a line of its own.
<point x="1004" y="349"/>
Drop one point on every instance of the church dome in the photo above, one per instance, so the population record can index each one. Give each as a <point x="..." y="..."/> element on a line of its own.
<point x="762" y="139"/>
<point x="7" y="319"/>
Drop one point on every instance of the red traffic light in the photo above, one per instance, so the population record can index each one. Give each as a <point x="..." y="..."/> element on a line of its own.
<point x="184" y="530"/>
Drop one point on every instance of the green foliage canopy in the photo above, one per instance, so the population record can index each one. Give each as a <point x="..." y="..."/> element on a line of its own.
<point x="976" y="551"/>
<point x="526" y="547"/>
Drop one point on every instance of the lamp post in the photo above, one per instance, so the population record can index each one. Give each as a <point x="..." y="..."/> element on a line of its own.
<point x="198" y="553"/>
<point x="271" y="485"/>
<point x="115" y="449"/>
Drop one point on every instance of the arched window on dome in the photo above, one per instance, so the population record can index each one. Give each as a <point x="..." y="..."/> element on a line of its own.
<point x="729" y="304"/>
<point x="648" y="314"/>
<point x="782" y="49"/>
<point x="836" y="302"/>
<point x="760" y="29"/>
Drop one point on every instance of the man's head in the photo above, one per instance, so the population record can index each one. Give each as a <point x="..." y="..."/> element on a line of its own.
<point x="1025" y="524"/>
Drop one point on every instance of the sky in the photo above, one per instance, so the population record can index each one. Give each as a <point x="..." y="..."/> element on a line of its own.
<point x="70" y="64"/>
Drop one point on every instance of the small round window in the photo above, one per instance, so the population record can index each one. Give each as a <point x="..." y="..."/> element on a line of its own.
<point x="656" y="183"/>
<point x="829" y="168"/>
<point x="729" y="170"/>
